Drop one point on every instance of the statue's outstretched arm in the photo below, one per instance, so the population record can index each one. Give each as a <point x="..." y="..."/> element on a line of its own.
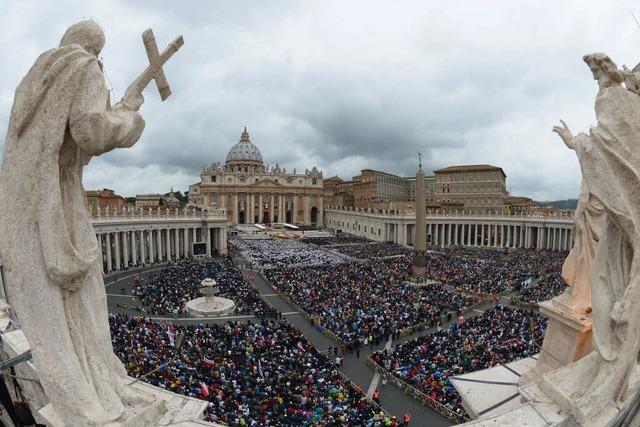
<point x="565" y="134"/>
<point x="94" y="127"/>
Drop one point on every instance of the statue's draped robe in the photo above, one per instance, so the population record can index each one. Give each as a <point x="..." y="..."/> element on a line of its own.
<point x="589" y="221"/>
<point x="60" y="118"/>
<point x="610" y="161"/>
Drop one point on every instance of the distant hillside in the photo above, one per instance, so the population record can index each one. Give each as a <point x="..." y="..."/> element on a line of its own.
<point x="560" y="204"/>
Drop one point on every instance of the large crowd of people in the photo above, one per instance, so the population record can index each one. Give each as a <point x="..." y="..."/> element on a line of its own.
<point x="168" y="291"/>
<point x="548" y="286"/>
<point x="266" y="372"/>
<point x="365" y="301"/>
<point x="271" y="253"/>
<point x="339" y="239"/>
<point x="372" y="250"/>
<point x="498" y="336"/>
<point x="255" y="373"/>
<point x="491" y="271"/>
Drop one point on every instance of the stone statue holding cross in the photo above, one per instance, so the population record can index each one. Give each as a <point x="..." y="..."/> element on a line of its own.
<point x="60" y="119"/>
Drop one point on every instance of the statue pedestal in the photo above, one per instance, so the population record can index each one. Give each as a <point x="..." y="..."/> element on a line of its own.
<point x="568" y="338"/>
<point x="550" y="402"/>
<point x="182" y="411"/>
<point x="562" y="389"/>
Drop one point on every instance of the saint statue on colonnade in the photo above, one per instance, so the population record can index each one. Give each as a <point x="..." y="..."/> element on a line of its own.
<point x="599" y="384"/>
<point x="60" y="119"/>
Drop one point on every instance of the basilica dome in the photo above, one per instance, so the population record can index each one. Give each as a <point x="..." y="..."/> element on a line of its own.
<point x="244" y="151"/>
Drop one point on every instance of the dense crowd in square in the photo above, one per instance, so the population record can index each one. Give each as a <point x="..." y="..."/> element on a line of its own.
<point x="266" y="373"/>
<point x="168" y="291"/>
<point x="492" y="271"/>
<point x="548" y="286"/>
<point x="339" y="239"/>
<point x="500" y="335"/>
<point x="371" y="250"/>
<point x="365" y="301"/>
<point x="255" y="373"/>
<point x="271" y="253"/>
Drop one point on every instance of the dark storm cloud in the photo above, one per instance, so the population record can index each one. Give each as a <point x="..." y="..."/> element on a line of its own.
<point x="343" y="85"/>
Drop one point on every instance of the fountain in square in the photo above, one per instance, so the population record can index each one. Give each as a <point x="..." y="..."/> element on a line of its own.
<point x="210" y="305"/>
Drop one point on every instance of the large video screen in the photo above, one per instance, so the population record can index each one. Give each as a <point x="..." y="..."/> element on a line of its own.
<point x="200" y="248"/>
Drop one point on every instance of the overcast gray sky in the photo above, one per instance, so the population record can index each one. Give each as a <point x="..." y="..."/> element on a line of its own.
<point x="343" y="85"/>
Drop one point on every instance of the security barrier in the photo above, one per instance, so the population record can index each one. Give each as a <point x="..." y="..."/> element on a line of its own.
<point x="422" y="397"/>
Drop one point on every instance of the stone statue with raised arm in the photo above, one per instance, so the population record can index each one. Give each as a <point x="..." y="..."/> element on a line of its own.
<point x="598" y="385"/>
<point x="60" y="119"/>
<point x="588" y="225"/>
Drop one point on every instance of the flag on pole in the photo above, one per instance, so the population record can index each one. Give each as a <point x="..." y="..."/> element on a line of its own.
<point x="204" y="390"/>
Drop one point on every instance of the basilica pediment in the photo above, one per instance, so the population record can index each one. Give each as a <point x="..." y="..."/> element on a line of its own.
<point x="266" y="182"/>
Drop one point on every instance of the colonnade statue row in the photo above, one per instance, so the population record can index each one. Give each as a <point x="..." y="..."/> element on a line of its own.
<point x="60" y="119"/>
<point x="597" y="387"/>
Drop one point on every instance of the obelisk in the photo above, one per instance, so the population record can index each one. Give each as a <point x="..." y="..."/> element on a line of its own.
<point x="420" y="237"/>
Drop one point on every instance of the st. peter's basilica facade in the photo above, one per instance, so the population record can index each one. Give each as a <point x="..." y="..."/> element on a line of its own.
<point x="252" y="193"/>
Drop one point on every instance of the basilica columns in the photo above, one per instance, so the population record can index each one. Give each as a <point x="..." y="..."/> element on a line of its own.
<point x="207" y="230"/>
<point x="307" y="210"/>
<point x="294" y="209"/>
<point x="236" y="208"/>
<point x="251" y="213"/>
<point x="280" y="205"/>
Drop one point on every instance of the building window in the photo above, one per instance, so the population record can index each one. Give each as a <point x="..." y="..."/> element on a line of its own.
<point x="213" y="178"/>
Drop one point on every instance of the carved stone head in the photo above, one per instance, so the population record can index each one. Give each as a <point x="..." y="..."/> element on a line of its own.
<point x="86" y="33"/>
<point x="604" y="69"/>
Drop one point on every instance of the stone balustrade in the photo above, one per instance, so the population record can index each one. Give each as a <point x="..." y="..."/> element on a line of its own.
<point x="175" y="213"/>
<point x="458" y="228"/>
<point x="457" y="214"/>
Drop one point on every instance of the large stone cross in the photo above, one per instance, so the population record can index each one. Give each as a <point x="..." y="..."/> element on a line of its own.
<point x="156" y="61"/>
